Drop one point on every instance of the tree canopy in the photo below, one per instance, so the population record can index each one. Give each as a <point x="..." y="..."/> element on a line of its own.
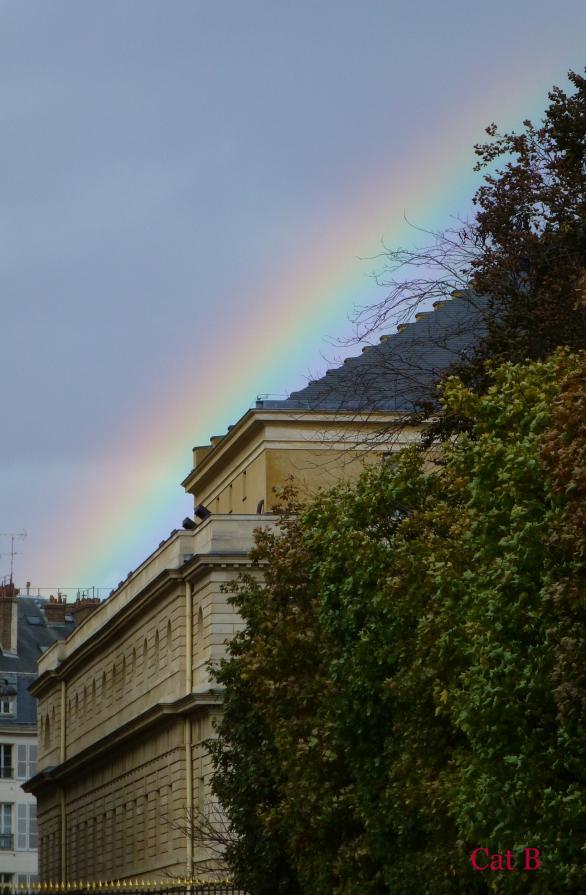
<point x="410" y="681"/>
<point x="524" y="246"/>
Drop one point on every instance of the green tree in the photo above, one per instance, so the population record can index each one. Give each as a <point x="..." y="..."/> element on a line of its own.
<point x="530" y="226"/>
<point x="524" y="246"/>
<point x="409" y="684"/>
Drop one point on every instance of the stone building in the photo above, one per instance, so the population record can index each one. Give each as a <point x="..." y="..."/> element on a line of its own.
<point x="26" y="630"/>
<point x="126" y="702"/>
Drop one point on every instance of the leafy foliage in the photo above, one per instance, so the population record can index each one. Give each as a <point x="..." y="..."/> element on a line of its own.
<point x="530" y="226"/>
<point x="409" y="684"/>
<point x="524" y="247"/>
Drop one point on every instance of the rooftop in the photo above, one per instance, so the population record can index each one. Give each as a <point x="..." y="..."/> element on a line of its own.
<point x="403" y="368"/>
<point x="215" y="537"/>
<point x="17" y="672"/>
<point x="35" y="635"/>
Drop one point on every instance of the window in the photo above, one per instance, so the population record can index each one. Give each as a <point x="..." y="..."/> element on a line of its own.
<point x="26" y="827"/>
<point x="91" y="841"/>
<point x="26" y="761"/>
<point x="130" y="836"/>
<point x="5" y="761"/>
<point x="156" y="802"/>
<point x="163" y="814"/>
<point x="6" y="838"/>
<point x="8" y="706"/>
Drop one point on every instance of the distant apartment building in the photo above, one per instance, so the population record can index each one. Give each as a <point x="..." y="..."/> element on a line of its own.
<point x="126" y="703"/>
<point x="25" y="632"/>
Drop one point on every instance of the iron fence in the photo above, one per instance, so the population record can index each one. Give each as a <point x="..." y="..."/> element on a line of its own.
<point x="128" y="887"/>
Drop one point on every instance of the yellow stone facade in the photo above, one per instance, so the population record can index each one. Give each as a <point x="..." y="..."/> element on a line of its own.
<point x="265" y="448"/>
<point x="125" y="703"/>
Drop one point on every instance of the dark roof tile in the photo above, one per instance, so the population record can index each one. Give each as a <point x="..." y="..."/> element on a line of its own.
<point x="33" y="638"/>
<point x="403" y="369"/>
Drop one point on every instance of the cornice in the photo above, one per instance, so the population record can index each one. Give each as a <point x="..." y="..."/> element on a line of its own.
<point x="193" y="570"/>
<point x="105" y="632"/>
<point x="111" y="742"/>
<point x="239" y="431"/>
<point x="18" y="727"/>
<point x="256" y="418"/>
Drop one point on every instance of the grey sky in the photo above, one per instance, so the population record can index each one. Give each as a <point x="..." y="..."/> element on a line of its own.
<point x="157" y="157"/>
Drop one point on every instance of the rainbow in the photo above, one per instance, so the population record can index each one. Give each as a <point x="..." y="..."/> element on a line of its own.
<point x="134" y="498"/>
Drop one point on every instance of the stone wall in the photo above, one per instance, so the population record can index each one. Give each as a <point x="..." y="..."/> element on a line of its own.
<point x="136" y="718"/>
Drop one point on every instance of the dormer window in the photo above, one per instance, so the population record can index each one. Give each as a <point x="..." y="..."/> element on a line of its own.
<point x="7" y="706"/>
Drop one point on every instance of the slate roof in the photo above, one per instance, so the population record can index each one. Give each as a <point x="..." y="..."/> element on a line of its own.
<point x="403" y="368"/>
<point x="26" y="704"/>
<point x="32" y="637"/>
<point x="20" y="670"/>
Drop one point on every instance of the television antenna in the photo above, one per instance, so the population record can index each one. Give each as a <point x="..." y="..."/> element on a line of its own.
<point x="12" y="535"/>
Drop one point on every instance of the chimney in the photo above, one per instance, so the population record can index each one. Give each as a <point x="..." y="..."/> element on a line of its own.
<point x="199" y="452"/>
<point x="8" y="618"/>
<point x="55" y="610"/>
<point x="82" y="608"/>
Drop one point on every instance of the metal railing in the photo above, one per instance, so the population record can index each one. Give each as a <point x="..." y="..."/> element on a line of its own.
<point x="70" y="593"/>
<point x="130" y="887"/>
